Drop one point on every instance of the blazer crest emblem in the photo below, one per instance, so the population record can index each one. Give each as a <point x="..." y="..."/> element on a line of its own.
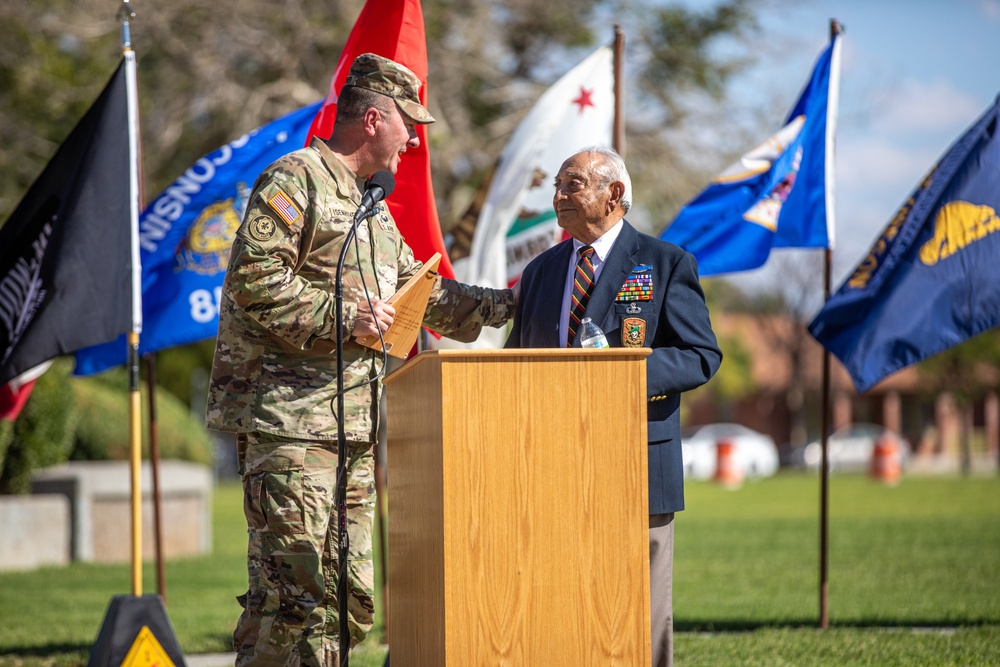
<point x="633" y="332"/>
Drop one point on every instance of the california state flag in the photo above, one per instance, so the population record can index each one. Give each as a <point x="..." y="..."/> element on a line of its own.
<point x="517" y="222"/>
<point x="394" y="29"/>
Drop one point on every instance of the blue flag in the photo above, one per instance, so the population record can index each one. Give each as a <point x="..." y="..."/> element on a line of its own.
<point x="775" y="195"/>
<point x="932" y="280"/>
<point x="185" y="237"/>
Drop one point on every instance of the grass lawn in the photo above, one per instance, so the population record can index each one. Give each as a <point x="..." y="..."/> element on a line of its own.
<point x="914" y="573"/>
<point x="914" y="580"/>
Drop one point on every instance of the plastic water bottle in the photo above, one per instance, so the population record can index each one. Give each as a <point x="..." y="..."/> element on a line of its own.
<point x="591" y="335"/>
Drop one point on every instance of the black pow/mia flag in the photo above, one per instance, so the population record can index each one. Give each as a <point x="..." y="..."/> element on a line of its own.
<point x="65" y="253"/>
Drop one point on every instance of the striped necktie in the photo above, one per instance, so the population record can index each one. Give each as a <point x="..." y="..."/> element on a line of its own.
<point x="583" y="284"/>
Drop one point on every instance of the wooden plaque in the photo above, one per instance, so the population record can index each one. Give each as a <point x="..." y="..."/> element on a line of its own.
<point x="410" y="302"/>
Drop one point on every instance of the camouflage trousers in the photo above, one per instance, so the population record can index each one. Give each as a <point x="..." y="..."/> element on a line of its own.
<point x="290" y="608"/>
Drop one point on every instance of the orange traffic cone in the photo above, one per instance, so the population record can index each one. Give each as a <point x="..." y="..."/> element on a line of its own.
<point x="886" y="464"/>
<point x="727" y="471"/>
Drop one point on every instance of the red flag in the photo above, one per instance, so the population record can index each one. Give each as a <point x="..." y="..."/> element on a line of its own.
<point x="15" y="393"/>
<point x="13" y="398"/>
<point x="395" y="29"/>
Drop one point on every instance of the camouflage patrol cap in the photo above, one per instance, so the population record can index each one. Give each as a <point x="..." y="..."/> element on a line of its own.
<point x="387" y="77"/>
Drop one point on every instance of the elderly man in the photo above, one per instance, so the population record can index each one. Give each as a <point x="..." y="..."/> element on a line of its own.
<point x="642" y="292"/>
<point x="274" y="376"/>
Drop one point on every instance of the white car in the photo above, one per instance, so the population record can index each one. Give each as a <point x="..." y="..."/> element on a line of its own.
<point x="755" y="453"/>
<point x="849" y="448"/>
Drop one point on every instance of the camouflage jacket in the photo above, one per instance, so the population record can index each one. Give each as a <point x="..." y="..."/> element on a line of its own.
<point x="275" y="367"/>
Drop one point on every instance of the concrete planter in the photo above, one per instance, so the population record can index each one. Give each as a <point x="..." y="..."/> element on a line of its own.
<point x="98" y="494"/>
<point x="34" y="531"/>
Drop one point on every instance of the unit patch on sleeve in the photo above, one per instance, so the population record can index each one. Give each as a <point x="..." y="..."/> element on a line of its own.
<point x="261" y="228"/>
<point x="285" y="208"/>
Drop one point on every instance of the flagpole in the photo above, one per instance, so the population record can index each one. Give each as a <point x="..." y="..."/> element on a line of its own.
<point x="824" y="477"/>
<point x="134" y="625"/>
<point x="154" y="464"/>
<point x="135" y="399"/>
<point x="824" y="504"/>
<point x="618" y="131"/>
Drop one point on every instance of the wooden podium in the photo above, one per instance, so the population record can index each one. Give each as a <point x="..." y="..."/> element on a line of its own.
<point x="518" y="511"/>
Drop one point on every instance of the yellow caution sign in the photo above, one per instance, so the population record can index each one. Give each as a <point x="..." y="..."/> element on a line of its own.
<point x="146" y="652"/>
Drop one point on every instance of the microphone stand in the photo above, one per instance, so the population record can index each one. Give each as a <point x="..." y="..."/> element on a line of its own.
<point x="340" y="497"/>
<point x="379" y="185"/>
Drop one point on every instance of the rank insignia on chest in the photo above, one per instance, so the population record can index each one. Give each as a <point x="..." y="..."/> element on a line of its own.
<point x="638" y="286"/>
<point x="633" y="332"/>
<point x="383" y="221"/>
<point x="285" y="208"/>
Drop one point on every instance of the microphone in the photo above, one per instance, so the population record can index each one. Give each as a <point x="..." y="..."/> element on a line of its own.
<point x="378" y="186"/>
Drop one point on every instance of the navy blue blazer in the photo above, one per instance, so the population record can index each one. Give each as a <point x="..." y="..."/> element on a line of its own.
<point x="677" y="327"/>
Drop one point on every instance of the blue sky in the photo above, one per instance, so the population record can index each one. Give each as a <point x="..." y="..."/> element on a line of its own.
<point x="914" y="76"/>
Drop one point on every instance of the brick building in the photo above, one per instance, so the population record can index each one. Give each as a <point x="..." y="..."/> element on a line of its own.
<point x="785" y="398"/>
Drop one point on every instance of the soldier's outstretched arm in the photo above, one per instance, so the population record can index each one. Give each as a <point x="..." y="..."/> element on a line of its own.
<point x="461" y="311"/>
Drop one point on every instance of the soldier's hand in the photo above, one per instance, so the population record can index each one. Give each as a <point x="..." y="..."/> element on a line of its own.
<point x="369" y="320"/>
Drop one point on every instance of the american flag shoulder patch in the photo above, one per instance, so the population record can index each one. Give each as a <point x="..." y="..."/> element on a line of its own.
<point x="285" y="208"/>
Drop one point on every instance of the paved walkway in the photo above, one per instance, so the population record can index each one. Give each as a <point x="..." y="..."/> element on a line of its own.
<point x="211" y="660"/>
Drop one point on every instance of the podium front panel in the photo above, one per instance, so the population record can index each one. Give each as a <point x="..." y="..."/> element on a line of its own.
<point x="535" y="551"/>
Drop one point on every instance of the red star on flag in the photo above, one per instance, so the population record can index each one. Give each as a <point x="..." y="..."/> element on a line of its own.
<point x="584" y="99"/>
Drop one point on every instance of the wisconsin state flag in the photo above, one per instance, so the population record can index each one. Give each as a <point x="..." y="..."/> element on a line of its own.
<point x="185" y="235"/>
<point x="65" y="258"/>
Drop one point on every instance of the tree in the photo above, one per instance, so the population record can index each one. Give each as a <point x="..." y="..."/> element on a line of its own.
<point x="206" y="77"/>
<point x="734" y="380"/>
<point x="968" y="372"/>
<point x="783" y="312"/>
<point x="490" y="61"/>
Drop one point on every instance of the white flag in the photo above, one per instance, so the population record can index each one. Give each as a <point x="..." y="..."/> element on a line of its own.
<point x="517" y="221"/>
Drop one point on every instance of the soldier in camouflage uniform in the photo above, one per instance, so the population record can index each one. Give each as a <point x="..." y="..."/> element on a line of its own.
<point x="275" y="371"/>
